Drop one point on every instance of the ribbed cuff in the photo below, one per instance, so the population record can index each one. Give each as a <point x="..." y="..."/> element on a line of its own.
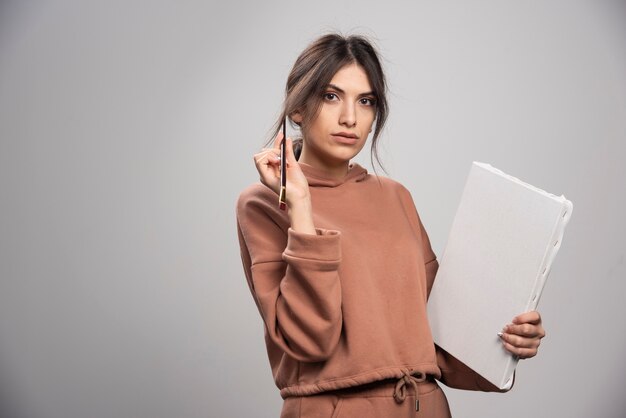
<point x="324" y="246"/>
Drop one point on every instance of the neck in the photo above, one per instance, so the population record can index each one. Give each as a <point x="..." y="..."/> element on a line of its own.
<point x="335" y="171"/>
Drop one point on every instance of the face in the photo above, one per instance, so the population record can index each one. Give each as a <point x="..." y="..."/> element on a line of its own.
<point x="343" y="123"/>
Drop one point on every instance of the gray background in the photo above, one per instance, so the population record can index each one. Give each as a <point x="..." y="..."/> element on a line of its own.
<point x="127" y="131"/>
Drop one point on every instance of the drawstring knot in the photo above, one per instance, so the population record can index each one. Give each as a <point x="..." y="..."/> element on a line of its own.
<point x="399" y="393"/>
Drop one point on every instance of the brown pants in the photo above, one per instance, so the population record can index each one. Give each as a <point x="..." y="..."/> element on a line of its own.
<point x="370" y="401"/>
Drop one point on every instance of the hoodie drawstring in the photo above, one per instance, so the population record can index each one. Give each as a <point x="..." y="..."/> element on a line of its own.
<point x="399" y="393"/>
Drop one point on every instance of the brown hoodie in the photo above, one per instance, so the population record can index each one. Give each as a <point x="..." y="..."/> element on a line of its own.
<point x="347" y="306"/>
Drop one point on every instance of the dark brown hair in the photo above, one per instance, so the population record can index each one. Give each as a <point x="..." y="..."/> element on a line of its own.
<point x="315" y="68"/>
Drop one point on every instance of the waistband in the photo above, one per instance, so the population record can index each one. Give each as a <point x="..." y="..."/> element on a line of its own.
<point x="398" y="388"/>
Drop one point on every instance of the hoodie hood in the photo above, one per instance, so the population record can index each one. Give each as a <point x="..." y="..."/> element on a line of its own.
<point x="318" y="177"/>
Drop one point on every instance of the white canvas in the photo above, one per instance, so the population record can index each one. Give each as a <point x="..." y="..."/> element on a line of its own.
<point x="501" y="246"/>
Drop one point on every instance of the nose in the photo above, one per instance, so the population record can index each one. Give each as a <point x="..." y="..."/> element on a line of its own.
<point x="348" y="115"/>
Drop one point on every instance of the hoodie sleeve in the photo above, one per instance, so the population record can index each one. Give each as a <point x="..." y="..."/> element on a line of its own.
<point x="430" y="259"/>
<point x="293" y="277"/>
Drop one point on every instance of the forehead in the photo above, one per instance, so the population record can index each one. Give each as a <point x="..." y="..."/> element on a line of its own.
<point x="352" y="78"/>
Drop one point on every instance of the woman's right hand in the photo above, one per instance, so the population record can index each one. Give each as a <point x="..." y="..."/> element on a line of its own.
<point x="297" y="195"/>
<point x="268" y="165"/>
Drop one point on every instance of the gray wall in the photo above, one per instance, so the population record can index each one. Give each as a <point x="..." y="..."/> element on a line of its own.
<point x="127" y="130"/>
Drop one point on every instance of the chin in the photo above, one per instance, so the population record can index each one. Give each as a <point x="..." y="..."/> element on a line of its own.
<point x="347" y="152"/>
<point x="344" y="157"/>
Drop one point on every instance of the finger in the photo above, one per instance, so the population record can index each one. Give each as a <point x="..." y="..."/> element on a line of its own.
<point x="267" y="157"/>
<point x="278" y="140"/>
<point x="522" y="353"/>
<point x="525" y="330"/>
<point x="520" y="342"/>
<point x="532" y="317"/>
<point x="275" y="151"/>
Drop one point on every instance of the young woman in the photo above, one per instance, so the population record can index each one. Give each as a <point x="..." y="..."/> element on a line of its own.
<point x="342" y="277"/>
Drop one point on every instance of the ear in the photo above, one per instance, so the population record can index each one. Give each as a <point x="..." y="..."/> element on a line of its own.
<point x="296" y="117"/>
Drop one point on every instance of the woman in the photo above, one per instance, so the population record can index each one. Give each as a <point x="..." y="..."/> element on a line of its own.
<point x="341" y="279"/>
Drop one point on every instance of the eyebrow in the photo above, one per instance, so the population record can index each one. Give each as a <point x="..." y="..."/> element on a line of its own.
<point x="340" y="90"/>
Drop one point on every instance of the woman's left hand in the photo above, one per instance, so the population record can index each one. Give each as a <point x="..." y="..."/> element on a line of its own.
<point x="523" y="336"/>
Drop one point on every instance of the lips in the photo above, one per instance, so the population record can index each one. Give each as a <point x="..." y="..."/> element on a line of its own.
<point x="345" y="134"/>
<point x="345" y="138"/>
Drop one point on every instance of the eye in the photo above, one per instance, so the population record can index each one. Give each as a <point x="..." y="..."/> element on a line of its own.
<point x="330" y="96"/>
<point x="368" y="101"/>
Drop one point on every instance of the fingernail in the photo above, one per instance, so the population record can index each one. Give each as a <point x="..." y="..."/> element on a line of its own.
<point x="500" y="334"/>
